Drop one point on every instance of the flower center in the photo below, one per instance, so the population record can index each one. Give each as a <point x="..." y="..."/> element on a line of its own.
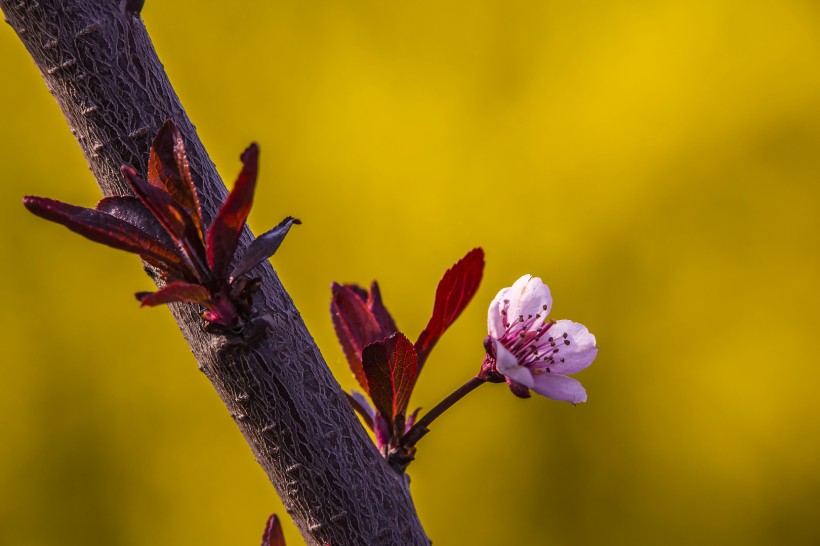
<point x="529" y="340"/>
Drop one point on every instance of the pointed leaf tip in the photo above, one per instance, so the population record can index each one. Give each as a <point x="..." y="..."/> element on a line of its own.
<point x="263" y="247"/>
<point x="168" y="169"/>
<point x="455" y="290"/>
<point x="101" y="227"/>
<point x="390" y="366"/>
<point x="273" y="535"/>
<point x="379" y="311"/>
<point x="223" y="235"/>
<point x="174" y="292"/>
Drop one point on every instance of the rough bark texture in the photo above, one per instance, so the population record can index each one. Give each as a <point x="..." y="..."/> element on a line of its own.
<point x="98" y="61"/>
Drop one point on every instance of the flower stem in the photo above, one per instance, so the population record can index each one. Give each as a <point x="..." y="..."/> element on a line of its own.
<point x="419" y="429"/>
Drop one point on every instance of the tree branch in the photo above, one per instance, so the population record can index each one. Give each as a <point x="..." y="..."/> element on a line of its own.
<point x="99" y="63"/>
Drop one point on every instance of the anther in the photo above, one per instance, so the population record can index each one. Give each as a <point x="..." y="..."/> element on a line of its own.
<point x="566" y="342"/>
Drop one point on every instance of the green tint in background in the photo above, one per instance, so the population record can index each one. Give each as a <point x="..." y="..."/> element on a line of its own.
<point x="657" y="164"/>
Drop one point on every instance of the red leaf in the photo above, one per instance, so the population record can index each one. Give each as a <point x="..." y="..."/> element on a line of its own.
<point x="131" y="209"/>
<point x="379" y="311"/>
<point x="176" y="291"/>
<point x="355" y="327"/>
<point x="168" y="169"/>
<point x="174" y="218"/>
<point x="223" y="235"/>
<point x="455" y="290"/>
<point x="273" y="532"/>
<point x="108" y="230"/>
<point x="263" y="247"/>
<point x="391" y="367"/>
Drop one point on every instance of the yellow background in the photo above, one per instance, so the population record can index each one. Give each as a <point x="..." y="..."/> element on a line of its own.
<point x="656" y="163"/>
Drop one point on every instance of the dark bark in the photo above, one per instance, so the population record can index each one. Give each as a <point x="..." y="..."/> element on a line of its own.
<point x="98" y="61"/>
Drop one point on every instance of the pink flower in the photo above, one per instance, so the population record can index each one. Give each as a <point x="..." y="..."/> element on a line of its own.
<point x="531" y="352"/>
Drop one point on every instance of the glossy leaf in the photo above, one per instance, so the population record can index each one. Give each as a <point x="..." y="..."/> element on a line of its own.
<point x="131" y="209"/>
<point x="455" y="290"/>
<point x="355" y="327"/>
<point x="263" y="247"/>
<point x="177" y="291"/>
<point x="168" y="169"/>
<point x="273" y="535"/>
<point x="175" y="219"/>
<point x="106" y="229"/>
<point x="223" y="235"/>
<point x="390" y="366"/>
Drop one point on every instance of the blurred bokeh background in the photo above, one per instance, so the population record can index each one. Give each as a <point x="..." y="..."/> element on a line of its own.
<point x="657" y="164"/>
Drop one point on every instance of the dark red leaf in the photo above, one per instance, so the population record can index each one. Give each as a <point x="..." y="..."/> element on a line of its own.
<point x="174" y="218"/>
<point x="273" y="532"/>
<point x="263" y="247"/>
<point x="168" y="169"/>
<point x="455" y="290"/>
<point x="131" y="209"/>
<point x="108" y="230"/>
<point x="176" y="291"/>
<point x="390" y="366"/>
<point x="379" y="311"/>
<point x="355" y="327"/>
<point x="223" y="235"/>
<point x="360" y="291"/>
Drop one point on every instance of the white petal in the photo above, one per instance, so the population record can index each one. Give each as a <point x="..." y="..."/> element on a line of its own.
<point x="495" y="320"/>
<point x="559" y="387"/>
<point x="576" y="351"/>
<point x="506" y="363"/>
<point x="529" y="296"/>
